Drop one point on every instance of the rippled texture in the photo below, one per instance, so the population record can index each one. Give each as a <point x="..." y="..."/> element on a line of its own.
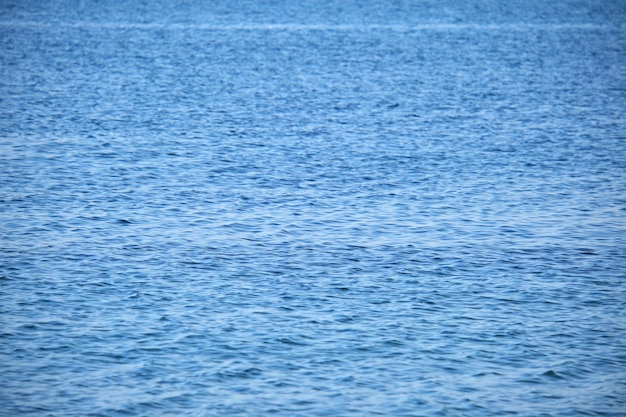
<point x="319" y="208"/>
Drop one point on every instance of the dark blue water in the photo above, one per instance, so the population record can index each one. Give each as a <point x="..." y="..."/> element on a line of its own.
<point x="319" y="208"/>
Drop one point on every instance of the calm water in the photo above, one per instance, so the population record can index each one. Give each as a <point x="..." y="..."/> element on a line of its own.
<point x="330" y="208"/>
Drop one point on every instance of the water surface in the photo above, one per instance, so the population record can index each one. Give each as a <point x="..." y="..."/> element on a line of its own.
<point x="317" y="209"/>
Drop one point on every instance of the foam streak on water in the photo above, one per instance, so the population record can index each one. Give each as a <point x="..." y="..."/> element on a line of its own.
<point x="322" y="209"/>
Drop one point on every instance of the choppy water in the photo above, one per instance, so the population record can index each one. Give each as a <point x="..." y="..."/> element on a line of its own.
<point x="315" y="209"/>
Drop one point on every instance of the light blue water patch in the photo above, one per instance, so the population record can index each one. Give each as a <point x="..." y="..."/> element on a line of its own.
<point x="324" y="208"/>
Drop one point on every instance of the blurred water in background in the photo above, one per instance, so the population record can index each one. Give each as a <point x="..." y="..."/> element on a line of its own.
<point x="317" y="208"/>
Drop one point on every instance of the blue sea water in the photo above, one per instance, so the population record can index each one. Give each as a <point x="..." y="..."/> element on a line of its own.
<point x="316" y="208"/>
